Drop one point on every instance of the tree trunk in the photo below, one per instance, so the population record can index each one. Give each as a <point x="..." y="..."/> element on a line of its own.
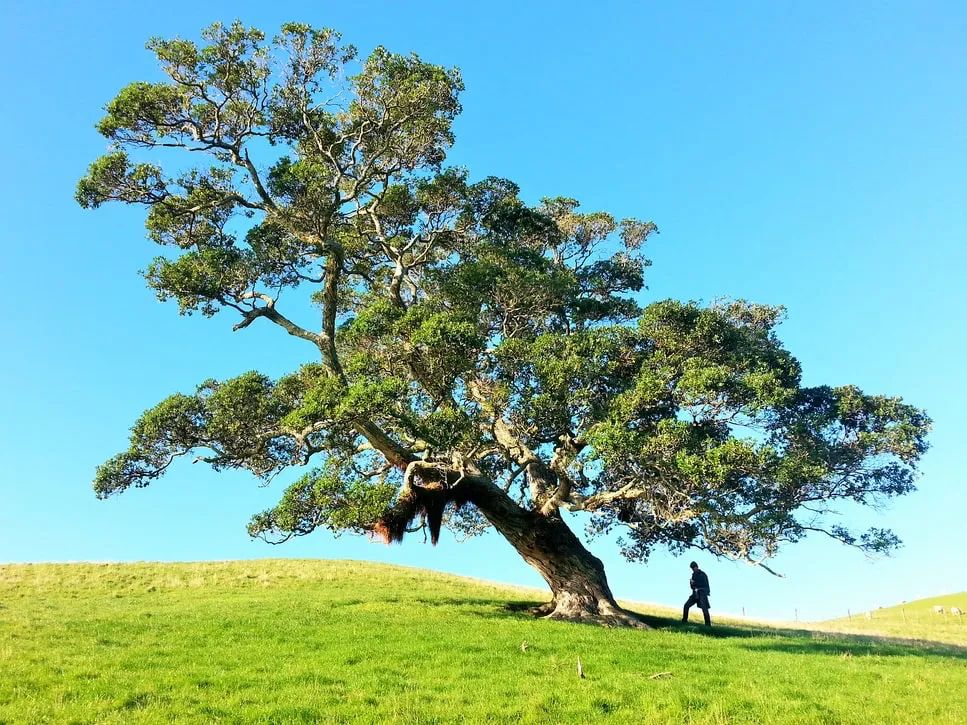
<point x="576" y="577"/>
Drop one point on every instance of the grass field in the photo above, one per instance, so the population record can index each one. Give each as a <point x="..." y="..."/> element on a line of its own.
<point x="911" y="619"/>
<point x="316" y="641"/>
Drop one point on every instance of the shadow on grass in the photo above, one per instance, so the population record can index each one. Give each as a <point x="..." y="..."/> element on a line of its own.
<point x="757" y="638"/>
<point x="470" y="602"/>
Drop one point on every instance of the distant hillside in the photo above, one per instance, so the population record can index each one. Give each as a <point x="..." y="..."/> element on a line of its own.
<point x="912" y="620"/>
<point x="286" y="641"/>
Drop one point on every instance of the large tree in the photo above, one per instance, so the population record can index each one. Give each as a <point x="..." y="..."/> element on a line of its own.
<point x="478" y="361"/>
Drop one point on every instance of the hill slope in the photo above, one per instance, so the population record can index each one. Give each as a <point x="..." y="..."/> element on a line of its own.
<point x="309" y="641"/>
<point x="915" y="619"/>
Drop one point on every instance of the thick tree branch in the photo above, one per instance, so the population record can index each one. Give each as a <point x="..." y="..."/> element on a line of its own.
<point x="270" y="313"/>
<point x="541" y="478"/>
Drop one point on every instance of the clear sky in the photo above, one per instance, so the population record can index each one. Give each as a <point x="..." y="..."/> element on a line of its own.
<point x="811" y="154"/>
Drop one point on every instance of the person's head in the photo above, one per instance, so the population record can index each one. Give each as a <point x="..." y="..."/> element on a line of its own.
<point x="694" y="565"/>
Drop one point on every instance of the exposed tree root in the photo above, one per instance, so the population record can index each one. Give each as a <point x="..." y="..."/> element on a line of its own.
<point x="607" y="615"/>
<point x="542" y="610"/>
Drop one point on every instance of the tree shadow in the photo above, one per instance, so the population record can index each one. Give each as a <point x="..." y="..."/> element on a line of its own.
<point x="461" y="602"/>
<point x="810" y="641"/>
<point x="799" y="641"/>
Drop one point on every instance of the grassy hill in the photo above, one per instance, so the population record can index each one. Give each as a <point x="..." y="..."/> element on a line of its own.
<point x="914" y="619"/>
<point x="318" y="641"/>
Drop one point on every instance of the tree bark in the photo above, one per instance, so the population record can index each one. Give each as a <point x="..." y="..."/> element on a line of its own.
<point x="576" y="577"/>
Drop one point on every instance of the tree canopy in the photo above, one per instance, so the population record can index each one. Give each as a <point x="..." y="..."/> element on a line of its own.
<point x="478" y="360"/>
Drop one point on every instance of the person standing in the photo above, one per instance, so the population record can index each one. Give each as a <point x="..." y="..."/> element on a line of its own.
<point x="700" y="592"/>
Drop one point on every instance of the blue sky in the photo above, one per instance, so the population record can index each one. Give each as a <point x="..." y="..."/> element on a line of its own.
<point x="809" y="154"/>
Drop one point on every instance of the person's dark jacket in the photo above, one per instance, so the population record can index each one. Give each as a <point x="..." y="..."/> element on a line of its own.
<point x="700" y="581"/>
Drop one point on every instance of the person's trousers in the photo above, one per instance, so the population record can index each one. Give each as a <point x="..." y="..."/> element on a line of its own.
<point x="699" y="597"/>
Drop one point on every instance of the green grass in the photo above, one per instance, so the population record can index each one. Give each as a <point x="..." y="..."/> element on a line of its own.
<point x="316" y="641"/>
<point x="914" y="620"/>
